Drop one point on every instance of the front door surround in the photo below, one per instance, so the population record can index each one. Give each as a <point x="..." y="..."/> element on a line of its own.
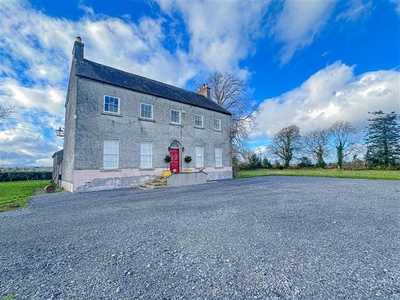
<point x="174" y="151"/>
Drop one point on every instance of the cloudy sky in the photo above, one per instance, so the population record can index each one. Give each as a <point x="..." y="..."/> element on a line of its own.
<point x="305" y="62"/>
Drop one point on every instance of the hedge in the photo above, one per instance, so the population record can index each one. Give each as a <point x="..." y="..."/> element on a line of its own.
<point x="22" y="175"/>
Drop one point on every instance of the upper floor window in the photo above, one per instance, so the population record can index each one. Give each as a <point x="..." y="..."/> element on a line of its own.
<point x="111" y="104"/>
<point x="146" y="111"/>
<point x="198" y="121"/>
<point x="217" y="124"/>
<point x="110" y="154"/>
<point x="175" y="116"/>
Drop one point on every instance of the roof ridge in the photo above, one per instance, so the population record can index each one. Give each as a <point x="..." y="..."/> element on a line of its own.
<point x="144" y="77"/>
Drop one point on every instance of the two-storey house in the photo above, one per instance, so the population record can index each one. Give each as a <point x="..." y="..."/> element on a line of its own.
<point x="119" y="127"/>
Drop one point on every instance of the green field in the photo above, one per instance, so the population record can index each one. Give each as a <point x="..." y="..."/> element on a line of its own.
<point x="335" y="173"/>
<point x="16" y="194"/>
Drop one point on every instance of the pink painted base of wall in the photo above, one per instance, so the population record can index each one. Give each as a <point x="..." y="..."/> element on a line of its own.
<point x="81" y="177"/>
<point x="91" y="180"/>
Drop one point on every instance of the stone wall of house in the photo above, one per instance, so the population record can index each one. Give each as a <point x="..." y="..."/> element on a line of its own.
<point x="93" y="126"/>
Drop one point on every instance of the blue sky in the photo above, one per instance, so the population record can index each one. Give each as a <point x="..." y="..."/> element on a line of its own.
<point x="305" y="62"/>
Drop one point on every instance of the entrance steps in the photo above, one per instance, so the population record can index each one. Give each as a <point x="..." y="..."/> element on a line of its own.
<point x="159" y="182"/>
<point x="175" y="180"/>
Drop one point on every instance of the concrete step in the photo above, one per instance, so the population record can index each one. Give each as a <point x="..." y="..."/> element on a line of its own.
<point x="160" y="181"/>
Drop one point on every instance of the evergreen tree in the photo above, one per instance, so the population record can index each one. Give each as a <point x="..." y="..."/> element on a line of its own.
<point x="266" y="163"/>
<point x="382" y="139"/>
<point x="254" y="162"/>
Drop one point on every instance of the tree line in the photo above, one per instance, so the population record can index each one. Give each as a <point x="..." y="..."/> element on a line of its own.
<point x="9" y="175"/>
<point x="380" y="145"/>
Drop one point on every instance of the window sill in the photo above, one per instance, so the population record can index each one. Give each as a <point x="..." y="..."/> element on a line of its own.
<point x="146" y="169"/>
<point x="217" y="130"/>
<point x="110" y="170"/>
<point x="175" y="124"/>
<point x="197" y="127"/>
<point x="220" y="167"/>
<point x="146" y="120"/>
<point x="111" y="114"/>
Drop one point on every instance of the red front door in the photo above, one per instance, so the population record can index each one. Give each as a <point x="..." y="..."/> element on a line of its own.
<point x="174" y="164"/>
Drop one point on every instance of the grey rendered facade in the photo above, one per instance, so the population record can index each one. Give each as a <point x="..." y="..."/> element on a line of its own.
<point x="119" y="127"/>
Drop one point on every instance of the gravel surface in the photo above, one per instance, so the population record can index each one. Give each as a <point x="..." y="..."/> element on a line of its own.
<point x="258" y="238"/>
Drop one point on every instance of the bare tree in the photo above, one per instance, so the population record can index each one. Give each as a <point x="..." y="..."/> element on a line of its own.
<point x="227" y="90"/>
<point x="317" y="142"/>
<point x="286" y="143"/>
<point x="344" y="136"/>
<point x="3" y="162"/>
<point x="5" y="112"/>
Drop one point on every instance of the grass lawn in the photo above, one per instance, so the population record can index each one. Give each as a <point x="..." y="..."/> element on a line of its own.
<point x="16" y="194"/>
<point x="336" y="173"/>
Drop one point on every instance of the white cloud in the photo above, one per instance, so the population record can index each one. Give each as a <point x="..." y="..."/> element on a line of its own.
<point x="397" y="3"/>
<point x="222" y="33"/>
<point x="333" y="93"/>
<point x="299" y="23"/>
<point x="356" y="8"/>
<point x="45" y="98"/>
<point x="26" y="145"/>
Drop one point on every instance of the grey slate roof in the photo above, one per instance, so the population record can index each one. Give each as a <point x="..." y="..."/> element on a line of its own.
<point x="89" y="69"/>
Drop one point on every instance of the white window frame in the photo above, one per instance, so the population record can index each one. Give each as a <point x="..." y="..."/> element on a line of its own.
<point x="179" y="114"/>
<point x="145" y="111"/>
<point x="110" y="154"/>
<point x="111" y="105"/>
<point x="199" y="157"/>
<point x="217" y="124"/>
<point x="198" y="121"/>
<point x="218" y="157"/>
<point x="146" y="155"/>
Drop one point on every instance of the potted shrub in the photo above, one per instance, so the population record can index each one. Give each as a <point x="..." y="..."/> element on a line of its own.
<point x="167" y="159"/>
<point x="188" y="159"/>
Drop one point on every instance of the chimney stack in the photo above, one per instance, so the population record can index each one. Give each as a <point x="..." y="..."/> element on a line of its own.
<point x="204" y="90"/>
<point x="77" y="52"/>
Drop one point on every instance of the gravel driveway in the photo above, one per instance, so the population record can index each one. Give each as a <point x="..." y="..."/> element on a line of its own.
<point x="258" y="238"/>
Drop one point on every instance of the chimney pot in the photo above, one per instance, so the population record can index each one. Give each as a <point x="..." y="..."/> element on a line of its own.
<point x="77" y="51"/>
<point x="204" y="90"/>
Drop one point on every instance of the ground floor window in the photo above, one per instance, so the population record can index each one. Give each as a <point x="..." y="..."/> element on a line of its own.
<point x="110" y="154"/>
<point x="199" y="157"/>
<point x="218" y="157"/>
<point x="146" y="156"/>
